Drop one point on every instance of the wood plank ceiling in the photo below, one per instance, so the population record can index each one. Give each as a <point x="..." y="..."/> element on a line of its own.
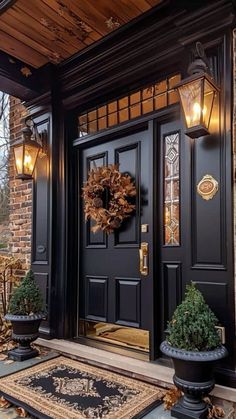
<point x="42" y="31"/>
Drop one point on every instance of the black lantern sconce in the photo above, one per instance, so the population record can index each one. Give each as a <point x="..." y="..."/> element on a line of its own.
<point x="197" y="94"/>
<point x="27" y="149"/>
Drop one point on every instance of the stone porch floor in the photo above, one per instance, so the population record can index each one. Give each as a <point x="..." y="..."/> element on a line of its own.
<point x="156" y="374"/>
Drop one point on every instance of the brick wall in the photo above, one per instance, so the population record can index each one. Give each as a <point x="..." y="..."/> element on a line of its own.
<point x="20" y="196"/>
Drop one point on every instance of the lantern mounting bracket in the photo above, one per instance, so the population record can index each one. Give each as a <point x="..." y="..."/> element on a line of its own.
<point x="40" y="138"/>
<point x="200" y="64"/>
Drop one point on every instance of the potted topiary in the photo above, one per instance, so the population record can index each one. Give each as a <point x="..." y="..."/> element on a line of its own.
<point x="194" y="345"/>
<point x="26" y="310"/>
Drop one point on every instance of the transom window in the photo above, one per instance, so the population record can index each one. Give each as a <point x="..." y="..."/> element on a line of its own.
<point x="149" y="99"/>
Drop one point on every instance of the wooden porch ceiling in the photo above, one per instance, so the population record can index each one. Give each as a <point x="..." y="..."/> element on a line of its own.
<point x="44" y="31"/>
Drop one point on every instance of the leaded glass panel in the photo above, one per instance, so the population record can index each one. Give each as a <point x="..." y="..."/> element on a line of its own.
<point x="171" y="190"/>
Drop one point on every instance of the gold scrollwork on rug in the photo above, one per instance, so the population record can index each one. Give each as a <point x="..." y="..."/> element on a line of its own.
<point x="207" y="187"/>
<point x="75" y="387"/>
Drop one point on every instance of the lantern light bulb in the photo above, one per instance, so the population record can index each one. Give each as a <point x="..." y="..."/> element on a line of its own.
<point x="197" y="113"/>
<point x="27" y="160"/>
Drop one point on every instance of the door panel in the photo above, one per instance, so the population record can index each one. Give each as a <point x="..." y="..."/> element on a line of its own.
<point x="128" y="289"/>
<point x="96" y="298"/>
<point x="111" y="287"/>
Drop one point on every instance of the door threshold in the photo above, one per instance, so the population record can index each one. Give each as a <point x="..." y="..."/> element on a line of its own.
<point x="112" y="347"/>
<point x="148" y="371"/>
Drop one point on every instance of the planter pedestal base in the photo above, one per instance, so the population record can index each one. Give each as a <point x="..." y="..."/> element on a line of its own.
<point x="192" y="405"/>
<point x="181" y="412"/>
<point x="22" y="353"/>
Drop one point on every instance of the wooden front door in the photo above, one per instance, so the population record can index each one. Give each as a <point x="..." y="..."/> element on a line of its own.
<point x="112" y="289"/>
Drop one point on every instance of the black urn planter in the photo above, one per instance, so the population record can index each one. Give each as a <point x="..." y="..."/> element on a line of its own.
<point x="24" y="331"/>
<point x="194" y="377"/>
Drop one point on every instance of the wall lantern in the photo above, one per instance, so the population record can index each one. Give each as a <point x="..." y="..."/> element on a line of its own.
<point x="26" y="150"/>
<point x="197" y="94"/>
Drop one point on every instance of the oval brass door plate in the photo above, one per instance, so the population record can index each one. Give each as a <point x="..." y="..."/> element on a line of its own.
<point x="207" y="187"/>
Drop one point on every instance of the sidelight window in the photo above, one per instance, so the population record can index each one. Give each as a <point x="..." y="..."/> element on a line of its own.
<point x="171" y="189"/>
<point x="133" y="105"/>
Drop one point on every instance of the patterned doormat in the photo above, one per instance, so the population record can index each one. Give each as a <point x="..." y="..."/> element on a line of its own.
<point x="63" y="388"/>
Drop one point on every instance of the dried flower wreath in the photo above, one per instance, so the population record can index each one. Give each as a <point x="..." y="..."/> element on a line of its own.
<point x="106" y="194"/>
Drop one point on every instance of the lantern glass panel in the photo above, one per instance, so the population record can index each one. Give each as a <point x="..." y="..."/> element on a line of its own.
<point x="190" y="95"/>
<point x="18" y="152"/>
<point x="209" y="94"/>
<point x="30" y="157"/>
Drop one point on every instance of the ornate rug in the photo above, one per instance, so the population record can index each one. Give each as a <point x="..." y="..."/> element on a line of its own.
<point x="63" y="388"/>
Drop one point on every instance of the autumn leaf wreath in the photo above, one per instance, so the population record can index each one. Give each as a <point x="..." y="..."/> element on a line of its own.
<point x="108" y="197"/>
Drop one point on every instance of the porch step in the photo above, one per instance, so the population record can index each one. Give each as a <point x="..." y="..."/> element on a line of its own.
<point x="144" y="370"/>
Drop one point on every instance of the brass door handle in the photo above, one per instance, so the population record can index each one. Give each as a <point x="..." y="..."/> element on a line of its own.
<point x="143" y="259"/>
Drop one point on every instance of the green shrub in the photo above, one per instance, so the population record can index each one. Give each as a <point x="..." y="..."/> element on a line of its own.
<point x="27" y="298"/>
<point x="193" y="324"/>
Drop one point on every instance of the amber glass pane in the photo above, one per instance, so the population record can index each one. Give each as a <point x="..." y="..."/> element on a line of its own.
<point x="102" y="111"/>
<point x="112" y="119"/>
<point x="92" y="115"/>
<point x="173" y="97"/>
<point x="171" y="190"/>
<point x="123" y="115"/>
<point x="123" y="103"/>
<point x="147" y="105"/>
<point x="92" y="127"/>
<point x="112" y="107"/>
<point x="148" y="92"/>
<point x="160" y="87"/>
<point x="102" y="123"/>
<point x="135" y="110"/>
<point x="135" y="98"/>
<point x="172" y="81"/>
<point x="160" y="101"/>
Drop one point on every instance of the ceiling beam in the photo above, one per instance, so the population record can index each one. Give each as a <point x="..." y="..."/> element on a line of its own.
<point x="21" y="80"/>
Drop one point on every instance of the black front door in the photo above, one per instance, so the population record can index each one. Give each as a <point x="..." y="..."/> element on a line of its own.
<point x="112" y="288"/>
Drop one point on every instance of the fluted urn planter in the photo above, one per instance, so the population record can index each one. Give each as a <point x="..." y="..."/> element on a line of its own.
<point x="25" y="330"/>
<point x="194" y="377"/>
